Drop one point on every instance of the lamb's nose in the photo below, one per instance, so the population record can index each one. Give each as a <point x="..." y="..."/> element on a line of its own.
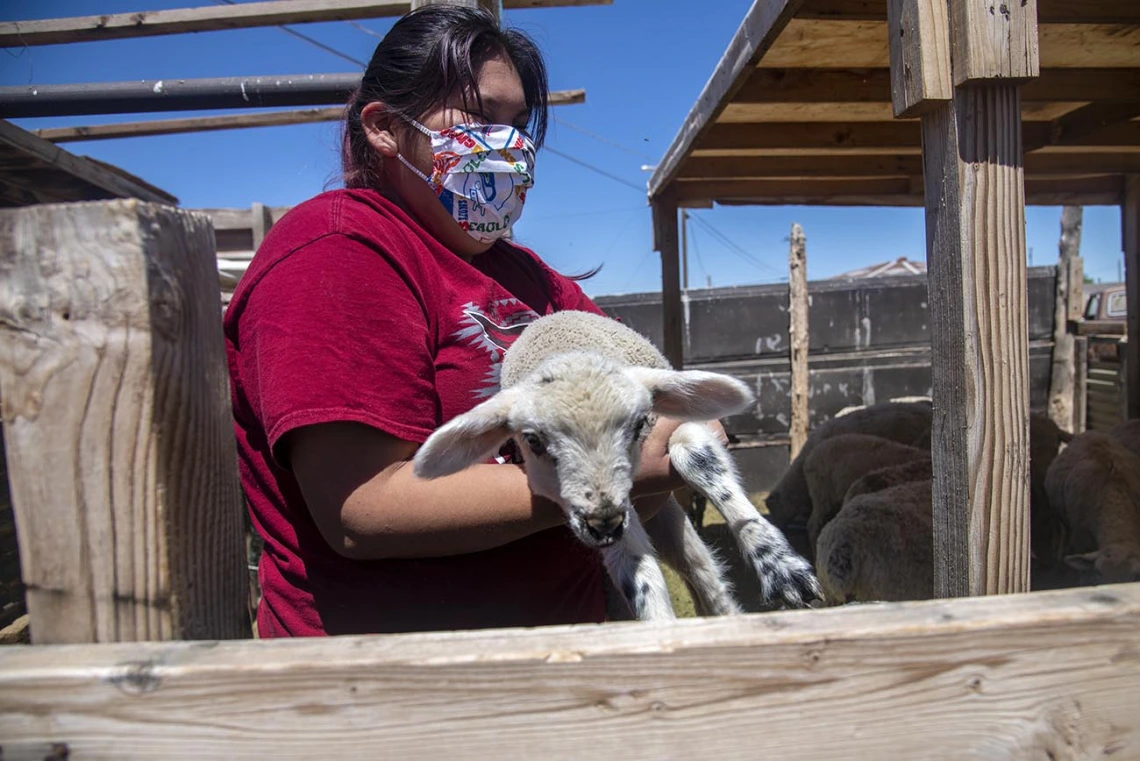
<point x="608" y="526"/>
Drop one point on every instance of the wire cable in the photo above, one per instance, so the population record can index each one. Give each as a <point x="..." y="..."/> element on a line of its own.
<point x="597" y="170"/>
<point x="605" y="140"/>
<point x="308" y="39"/>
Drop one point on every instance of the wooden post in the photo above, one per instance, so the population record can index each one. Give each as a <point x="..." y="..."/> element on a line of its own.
<point x="1081" y="383"/>
<point x="1067" y="302"/>
<point x="975" y="216"/>
<point x="260" y="220"/>
<point x="798" y="334"/>
<point x="1130" y="218"/>
<point x="665" y="241"/>
<point x="118" y="426"/>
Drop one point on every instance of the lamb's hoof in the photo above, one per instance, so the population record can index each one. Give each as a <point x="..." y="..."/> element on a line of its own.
<point x="788" y="581"/>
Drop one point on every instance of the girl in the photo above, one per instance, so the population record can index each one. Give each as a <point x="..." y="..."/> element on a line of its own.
<point x="373" y="314"/>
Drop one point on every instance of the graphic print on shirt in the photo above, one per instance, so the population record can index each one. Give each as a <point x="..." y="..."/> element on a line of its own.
<point x="493" y="330"/>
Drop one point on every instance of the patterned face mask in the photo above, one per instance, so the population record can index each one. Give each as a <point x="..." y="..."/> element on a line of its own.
<point x="481" y="173"/>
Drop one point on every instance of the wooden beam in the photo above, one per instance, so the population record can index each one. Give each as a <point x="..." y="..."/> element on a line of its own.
<point x="58" y="31"/>
<point x="114" y="184"/>
<point x="798" y="339"/>
<point x="229" y="121"/>
<point x="920" y="76"/>
<point x="1091" y="119"/>
<point x="1011" y="677"/>
<point x="1130" y="228"/>
<point x="1068" y="304"/>
<point x="1081" y="383"/>
<point x="117" y="421"/>
<point x="494" y="6"/>
<point x="905" y="134"/>
<point x="666" y="242"/>
<point x="876" y="165"/>
<point x="1048" y="11"/>
<point x="816" y="44"/>
<point x="873" y="85"/>
<point x="990" y="45"/>
<point x="888" y="191"/>
<point x="763" y="24"/>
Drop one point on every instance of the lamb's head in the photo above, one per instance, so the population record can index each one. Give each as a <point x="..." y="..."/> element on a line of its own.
<point x="580" y="419"/>
<point x="1113" y="563"/>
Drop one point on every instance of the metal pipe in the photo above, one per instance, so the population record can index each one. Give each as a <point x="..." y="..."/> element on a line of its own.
<point x="150" y="95"/>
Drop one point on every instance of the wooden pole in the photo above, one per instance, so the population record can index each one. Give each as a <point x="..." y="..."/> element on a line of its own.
<point x="1067" y="302"/>
<point x="1130" y="218"/>
<point x="975" y="216"/>
<point x="1081" y="384"/>
<point x="684" y="250"/>
<point x="665" y="241"/>
<point x="118" y="425"/>
<point x="494" y="6"/>
<point x="798" y="333"/>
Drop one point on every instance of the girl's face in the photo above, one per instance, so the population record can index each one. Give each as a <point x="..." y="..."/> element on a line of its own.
<point x="504" y="102"/>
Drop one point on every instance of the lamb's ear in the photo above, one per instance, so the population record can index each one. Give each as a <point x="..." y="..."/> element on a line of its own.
<point x="468" y="439"/>
<point x="1086" y="562"/>
<point x="692" y="394"/>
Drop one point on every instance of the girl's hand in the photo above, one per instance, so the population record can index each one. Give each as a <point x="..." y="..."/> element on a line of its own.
<point x="655" y="476"/>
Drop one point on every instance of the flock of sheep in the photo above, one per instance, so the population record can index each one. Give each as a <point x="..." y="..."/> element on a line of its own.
<point x="861" y="487"/>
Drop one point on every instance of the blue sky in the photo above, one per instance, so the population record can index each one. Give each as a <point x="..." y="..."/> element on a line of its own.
<point x="642" y="64"/>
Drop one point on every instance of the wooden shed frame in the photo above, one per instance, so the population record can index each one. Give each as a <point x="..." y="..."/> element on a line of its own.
<point x="972" y="108"/>
<point x="129" y="507"/>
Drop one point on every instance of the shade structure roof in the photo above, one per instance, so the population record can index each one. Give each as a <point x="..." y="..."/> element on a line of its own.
<point x="798" y="111"/>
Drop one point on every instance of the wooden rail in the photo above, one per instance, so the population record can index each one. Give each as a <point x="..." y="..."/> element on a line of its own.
<point x="1052" y="674"/>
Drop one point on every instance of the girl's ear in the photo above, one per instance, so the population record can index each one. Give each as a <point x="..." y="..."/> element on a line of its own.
<point x="470" y="438"/>
<point x="692" y="394"/>
<point x="377" y="123"/>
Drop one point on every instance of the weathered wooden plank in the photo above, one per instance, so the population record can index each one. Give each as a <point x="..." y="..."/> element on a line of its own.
<point x="118" y="426"/>
<point x="902" y="134"/>
<point x="833" y="44"/>
<point x="229" y="121"/>
<point x="797" y="85"/>
<point x="1080" y="386"/>
<point x="798" y="338"/>
<point x="989" y="45"/>
<point x="763" y="24"/>
<point x="211" y="18"/>
<point x="920" y="58"/>
<point x="1063" y="378"/>
<point x="1048" y="11"/>
<point x="1012" y="677"/>
<point x="1130" y="229"/>
<point x="665" y="241"/>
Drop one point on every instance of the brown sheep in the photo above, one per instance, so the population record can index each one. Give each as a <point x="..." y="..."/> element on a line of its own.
<point x="879" y="547"/>
<point x="1095" y="485"/>
<point x="1128" y="434"/>
<point x="892" y="475"/>
<point x="904" y="422"/>
<point x="837" y="462"/>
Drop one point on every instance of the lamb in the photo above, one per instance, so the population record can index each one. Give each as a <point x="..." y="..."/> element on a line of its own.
<point x="837" y="462"/>
<point x="1095" y="484"/>
<point x="892" y="475"/>
<point x="578" y="394"/>
<point x="879" y="547"/>
<point x="904" y="422"/>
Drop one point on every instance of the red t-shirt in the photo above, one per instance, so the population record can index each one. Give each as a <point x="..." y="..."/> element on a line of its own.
<point x="350" y="311"/>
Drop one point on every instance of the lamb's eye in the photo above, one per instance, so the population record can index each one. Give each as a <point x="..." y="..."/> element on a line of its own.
<point x="639" y="428"/>
<point x="535" y="443"/>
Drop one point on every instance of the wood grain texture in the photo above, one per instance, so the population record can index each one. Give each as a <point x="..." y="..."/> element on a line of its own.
<point x="209" y="18"/>
<point x="994" y="40"/>
<point x="1130" y="229"/>
<point x="1062" y="392"/>
<point x="1081" y="384"/>
<point x="920" y="55"/>
<point x="117" y="420"/>
<point x="798" y="301"/>
<point x="667" y="243"/>
<point x="1024" y="677"/>
<point x="1048" y="11"/>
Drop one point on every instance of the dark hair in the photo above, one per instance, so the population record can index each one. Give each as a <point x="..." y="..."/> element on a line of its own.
<point x="428" y="56"/>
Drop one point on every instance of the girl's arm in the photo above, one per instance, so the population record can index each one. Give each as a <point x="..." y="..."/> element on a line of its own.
<point x="368" y="504"/>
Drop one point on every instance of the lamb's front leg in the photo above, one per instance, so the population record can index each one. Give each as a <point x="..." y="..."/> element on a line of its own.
<point x="681" y="547"/>
<point x="706" y="465"/>
<point x="635" y="572"/>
